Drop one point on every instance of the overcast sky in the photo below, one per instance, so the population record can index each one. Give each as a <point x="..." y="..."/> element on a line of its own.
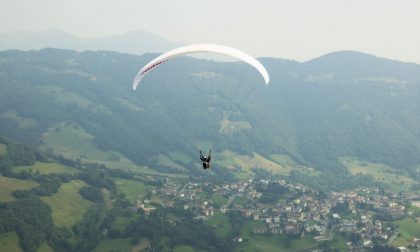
<point x="293" y="29"/>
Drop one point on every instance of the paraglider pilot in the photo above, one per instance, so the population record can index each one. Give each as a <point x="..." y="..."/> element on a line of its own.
<point x="205" y="160"/>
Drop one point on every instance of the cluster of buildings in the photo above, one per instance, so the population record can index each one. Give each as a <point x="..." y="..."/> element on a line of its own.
<point x="302" y="211"/>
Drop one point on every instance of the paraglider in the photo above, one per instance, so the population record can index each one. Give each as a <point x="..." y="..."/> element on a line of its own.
<point x="206" y="160"/>
<point x="199" y="48"/>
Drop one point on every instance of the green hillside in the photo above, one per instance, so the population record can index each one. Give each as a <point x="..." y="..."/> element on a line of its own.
<point x="343" y="104"/>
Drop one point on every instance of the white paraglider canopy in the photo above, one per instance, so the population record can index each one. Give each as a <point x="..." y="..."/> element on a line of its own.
<point x="199" y="48"/>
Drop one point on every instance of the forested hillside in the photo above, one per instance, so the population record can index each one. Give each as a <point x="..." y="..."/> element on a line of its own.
<point x="341" y="104"/>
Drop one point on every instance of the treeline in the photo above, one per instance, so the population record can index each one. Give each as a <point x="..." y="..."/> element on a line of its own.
<point x="91" y="193"/>
<point x="271" y="192"/>
<point x="20" y="154"/>
<point x="182" y="231"/>
<point x="31" y="219"/>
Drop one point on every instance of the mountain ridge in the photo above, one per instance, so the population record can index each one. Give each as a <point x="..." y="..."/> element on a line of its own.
<point x="134" y="42"/>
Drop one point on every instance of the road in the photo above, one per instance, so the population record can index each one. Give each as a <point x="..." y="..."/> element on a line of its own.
<point x="231" y="199"/>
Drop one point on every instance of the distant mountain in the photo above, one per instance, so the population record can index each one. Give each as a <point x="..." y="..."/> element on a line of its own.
<point x="136" y="42"/>
<point x="341" y="104"/>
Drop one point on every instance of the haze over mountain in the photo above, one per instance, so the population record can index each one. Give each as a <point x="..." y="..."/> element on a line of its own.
<point x="341" y="104"/>
<point x="136" y="42"/>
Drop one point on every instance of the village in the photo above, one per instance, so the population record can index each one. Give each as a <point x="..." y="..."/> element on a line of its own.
<point x="363" y="215"/>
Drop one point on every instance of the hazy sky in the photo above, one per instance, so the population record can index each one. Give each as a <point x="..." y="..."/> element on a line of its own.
<point x="294" y="29"/>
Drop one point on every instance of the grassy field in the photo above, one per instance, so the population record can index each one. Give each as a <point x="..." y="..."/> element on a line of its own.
<point x="122" y="222"/>
<point x="232" y="160"/>
<point x="183" y="248"/>
<point x="379" y="172"/>
<point x="120" y="245"/>
<point x="338" y="243"/>
<point x="23" y="123"/>
<point x="228" y="127"/>
<point x="408" y="229"/>
<point x="166" y="161"/>
<point x="289" y="164"/>
<point x="277" y="243"/>
<point x="9" y="242"/>
<point x="9" y="185"/>
<point x="3" y="149"/>
<point x="107" y="197"/>
<point x="270" y="243"/>
<point x="133" y="189"/>
<point x="219" y="199"/>
<point x="142" y="246"/>
<point x="180" y="156"/>
<point x="220" y="223"/>
<point x="282" y="159"/>
<point x="240" y="200"/>
<point x="45" y="248"/>
<point x="46" y="168"/>
<point x="68" y="206"/>
<point x="128" y="104"/>
<point x="74" y="142"/>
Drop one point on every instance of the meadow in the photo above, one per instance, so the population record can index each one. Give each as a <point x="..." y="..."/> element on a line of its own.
<point x="379" y="172"/>
<point x="107" y="244"/>
<point x="408" y="228"/>
<point x="45" y="168"/>
<point x="9" y="185"/>
<point x="133" y="189"/>
<point x="67" y="205"/>
<point x="3" y="149"/>
<point x="9" y="242"/>
<point x="220" y="224"/>
<point x="242" y="164"/>
<point x="74" y="142"/>
<point x="273" y="243"/>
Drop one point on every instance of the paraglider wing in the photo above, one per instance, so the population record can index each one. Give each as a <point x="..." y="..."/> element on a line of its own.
<point x="198" y="48"/>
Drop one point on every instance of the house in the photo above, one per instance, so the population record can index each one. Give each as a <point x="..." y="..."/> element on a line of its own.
<point x="273" y="225"/>
<point x="276" y="231"/>
<point x="246" y="213"/>
<point x="291" y="228"/>
<point x="208" y="212"/>
<point x="321" y="238"/>
<point x="367" y="243"/>
<point x="260" y="230"/>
